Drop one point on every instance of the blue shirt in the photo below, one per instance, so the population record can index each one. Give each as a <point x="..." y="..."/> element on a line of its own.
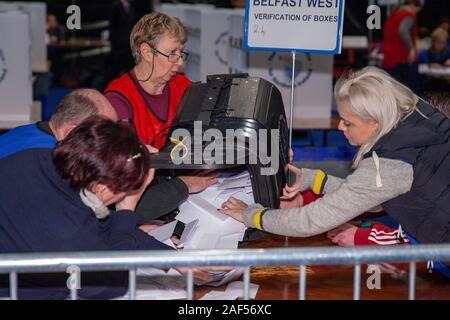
<point x="25" y="137"/>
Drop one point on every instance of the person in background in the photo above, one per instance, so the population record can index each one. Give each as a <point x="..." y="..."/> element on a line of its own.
<point x="55" y="34"/>
<point x="440" y="100"/>
<point x="402" y="165"/>
<point x="438" y="55"/>
<point x="400" y="33"/>
<point x="73" y="109"/>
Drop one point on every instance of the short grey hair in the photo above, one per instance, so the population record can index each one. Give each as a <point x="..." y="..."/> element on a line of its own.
<point x="151" y="27"/>
<point x="74" y="108"/>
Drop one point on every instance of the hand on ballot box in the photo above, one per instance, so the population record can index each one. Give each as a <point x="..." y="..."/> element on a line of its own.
<point x="234" y="208"/>
<point x="290" y="193"/>
<point x="200" y="180"/>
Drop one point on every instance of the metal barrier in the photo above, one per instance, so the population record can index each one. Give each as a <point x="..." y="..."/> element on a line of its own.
<point x="131" y="260"/>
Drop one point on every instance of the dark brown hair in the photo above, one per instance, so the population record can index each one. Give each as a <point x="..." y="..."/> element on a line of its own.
<point x="440" y="100"/>
<point x="103" y="151"/>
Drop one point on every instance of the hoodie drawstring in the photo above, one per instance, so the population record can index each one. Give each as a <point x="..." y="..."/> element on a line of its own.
<point x="376" y="160"/>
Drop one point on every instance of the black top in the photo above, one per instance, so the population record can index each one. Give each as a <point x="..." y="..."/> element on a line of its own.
<point x="424" y="142"/>
<point x="40" y="212"/>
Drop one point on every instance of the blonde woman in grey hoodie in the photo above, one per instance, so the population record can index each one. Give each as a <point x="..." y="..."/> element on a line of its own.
<point x="403" y="165"/>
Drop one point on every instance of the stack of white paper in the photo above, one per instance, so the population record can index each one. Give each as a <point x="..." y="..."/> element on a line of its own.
<point x="157" y="284"/>
<point x="213" y="229"/>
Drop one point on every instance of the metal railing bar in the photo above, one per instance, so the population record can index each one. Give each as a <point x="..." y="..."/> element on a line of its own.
<point x="357" y="283"/>
<point x="132" y="284"/>
<point x="120" y="260"/>
<point x="302" y="283"/>
<point x="190" y="284"/>
<point x="412" y="281"/>
<point x="247" y="283"/>
<point x="13" y="286"/>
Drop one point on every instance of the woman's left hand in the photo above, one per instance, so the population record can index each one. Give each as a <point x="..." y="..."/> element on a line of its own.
<point x="234" y="208"/>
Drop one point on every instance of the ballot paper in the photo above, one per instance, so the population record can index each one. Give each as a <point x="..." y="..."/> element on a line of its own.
<point x="188" y="232"/>
<point x="164" y="233"/>
<point x="233" y="291"/>
<point x="206" y="227"/>
<point x="157" y="284"/>
<point x="215" y="230"/>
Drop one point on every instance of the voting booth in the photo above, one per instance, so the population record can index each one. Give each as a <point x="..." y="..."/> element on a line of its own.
<point x="208" y="41"/>
<point x="15" y="68"/>
<point x="37" y="12"/>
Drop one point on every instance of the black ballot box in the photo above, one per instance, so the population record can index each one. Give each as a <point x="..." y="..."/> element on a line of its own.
<point x="231" y="122"/>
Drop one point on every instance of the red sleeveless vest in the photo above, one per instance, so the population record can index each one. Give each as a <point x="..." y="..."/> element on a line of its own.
<point x="149" y="128"/>
<point x="395" y="52"/>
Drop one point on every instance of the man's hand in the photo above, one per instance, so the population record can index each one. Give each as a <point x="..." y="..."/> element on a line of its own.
<point x="200" y="181"/>
<point x="234" y="208"/>
<point x="291" y="192"/>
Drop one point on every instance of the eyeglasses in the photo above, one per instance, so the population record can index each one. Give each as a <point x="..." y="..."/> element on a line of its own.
<point x="173" y="57"/>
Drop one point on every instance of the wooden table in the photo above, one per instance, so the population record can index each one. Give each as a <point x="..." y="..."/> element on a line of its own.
<point x="334" y="282"/>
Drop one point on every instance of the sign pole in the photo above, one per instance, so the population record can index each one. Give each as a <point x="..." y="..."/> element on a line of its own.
<point x="292" y="98"/>
<point x="291" y="116"/>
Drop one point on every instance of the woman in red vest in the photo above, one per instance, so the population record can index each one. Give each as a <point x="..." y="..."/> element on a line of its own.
<point x="149" y="94"/>
<point x="399" y="43"/>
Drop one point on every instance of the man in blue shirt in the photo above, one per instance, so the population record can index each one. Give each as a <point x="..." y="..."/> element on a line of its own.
<point x="71" y="111"/>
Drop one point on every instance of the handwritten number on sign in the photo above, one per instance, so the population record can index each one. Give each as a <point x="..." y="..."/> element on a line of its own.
<point x="259" y="30"/>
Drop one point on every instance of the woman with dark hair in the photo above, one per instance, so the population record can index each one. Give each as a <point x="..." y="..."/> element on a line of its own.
<point x="57" y="201"/>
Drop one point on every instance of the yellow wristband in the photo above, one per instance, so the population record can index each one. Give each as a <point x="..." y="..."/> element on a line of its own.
<point x="319" y="182"/>
<point x="257" y="218"/>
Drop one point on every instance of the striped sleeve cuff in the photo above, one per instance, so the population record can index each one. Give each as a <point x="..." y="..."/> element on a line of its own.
<point x="258" y="218"/>
<point x="319" y="182"/>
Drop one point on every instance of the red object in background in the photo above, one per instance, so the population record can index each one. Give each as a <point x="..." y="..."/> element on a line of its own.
<point x="395" y="51"/>
<point x="309" y="196"/>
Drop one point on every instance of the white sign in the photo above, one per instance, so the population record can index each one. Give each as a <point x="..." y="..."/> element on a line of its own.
<point x="37" y="12"/>
<point x="300" y="25"/>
